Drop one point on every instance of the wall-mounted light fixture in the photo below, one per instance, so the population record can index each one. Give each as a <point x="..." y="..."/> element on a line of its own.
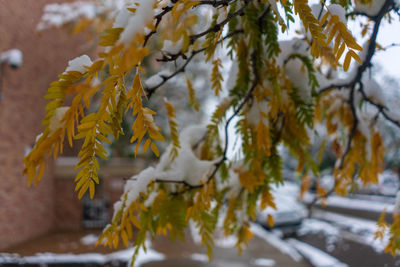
<point x="12" y="57"/>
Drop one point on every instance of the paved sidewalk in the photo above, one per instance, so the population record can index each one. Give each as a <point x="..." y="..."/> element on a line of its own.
<point x="265" y="249"/>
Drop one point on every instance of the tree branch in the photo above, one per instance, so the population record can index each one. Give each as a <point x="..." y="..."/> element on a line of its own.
<point x="353" y="129"/>
<point x="369" y="54"/>
<point x="167" y="9"/>
<point x="220" y="25"/>
<point x="150" y="90"/>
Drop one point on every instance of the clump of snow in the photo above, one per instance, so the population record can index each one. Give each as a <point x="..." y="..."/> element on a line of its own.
<point x="186" y="167"/>
<point x="56" y="120"/>
<point x="316" y="10"/>
<point x="138" y="184"/>
<point x="373" y="90"/>
<point x="226" y="241"/>
<point x="157" y="79"/>
<point x="122" y="18"/>
<point x="199" y="257"/>
<point x="338" y="10"/>
<point x="294" y="67"/>
<point x="317" y="257"/>
<point x="79" y="64"/>
<point x="264" y="262"/>
<point x="89" y="239"/>
<point x="289" y="47"/>
<point x="137" y="22"/>
<point x="297" y="74"/>
<point x="150" y="199"/>
<point x="370" y="9"/>
<point x="57" y="15"/>
<point x="171" y="47"/>
<point x="254" y="115"/>
<point x="192" y="135"/>
<point x="14" y="57"/>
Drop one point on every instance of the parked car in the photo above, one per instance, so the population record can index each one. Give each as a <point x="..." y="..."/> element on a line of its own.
<point x="289" y="213"/>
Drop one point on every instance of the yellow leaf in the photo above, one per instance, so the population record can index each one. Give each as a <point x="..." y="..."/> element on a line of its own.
<point x="155" y="149"/>
<point x="146" y="145"/>
<point x="124" y="237"/>
<point x="270" y="220"/>
<point x="91" y="189"/>
<point x="83" y="190"/>
<point x="346" y="63"/>
<point x="355" y="56"/>
<point x="115" y="240"/>
<point x="135" y="222"/>
<point x="192" y="95"/>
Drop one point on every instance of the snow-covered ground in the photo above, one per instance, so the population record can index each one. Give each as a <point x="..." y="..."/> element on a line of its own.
<point x="292" y="248"/>
<point x="316" y="257"/>
<point x="275" y="241"/>
<point x="351" y="203"/>
<point x="51" y="258"/>
<point x="336" y="226"/>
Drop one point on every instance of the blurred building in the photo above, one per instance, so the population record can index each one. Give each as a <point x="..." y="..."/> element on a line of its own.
<point x="26" y="213"/>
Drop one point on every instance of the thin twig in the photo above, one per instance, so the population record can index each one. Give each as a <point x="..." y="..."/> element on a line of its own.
<point x="150" y="90"/>
<point x="370" y="53"/>
<point x="217" y="27"/>
<point x="353" y="129"/>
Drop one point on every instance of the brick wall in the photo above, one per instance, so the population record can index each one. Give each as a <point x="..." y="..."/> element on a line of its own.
<point x="27" y="212"/>
<point x="69" y="210"/>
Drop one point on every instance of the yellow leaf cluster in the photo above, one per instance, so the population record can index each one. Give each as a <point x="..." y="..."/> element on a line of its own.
<point x="216" y="77"/>
<point x="253" y="177"/>
<point x="263" y="137"/>
<point x="312" y="25"/>
<point x="244" y="237"/>
<point x="267" y="199"/>
<point x="343" y="38"/>
<point x="173" y="125"/>
<point x="382" y="226"/>
<point x="121" y="227"/>
<point x="144" y="124"/>
<point x="51" y="140"/>
<point x="94" y="129"/>
<point x="192" y="95"/>
<point x="178" y="26"/>
<point x="394" y="239"/>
